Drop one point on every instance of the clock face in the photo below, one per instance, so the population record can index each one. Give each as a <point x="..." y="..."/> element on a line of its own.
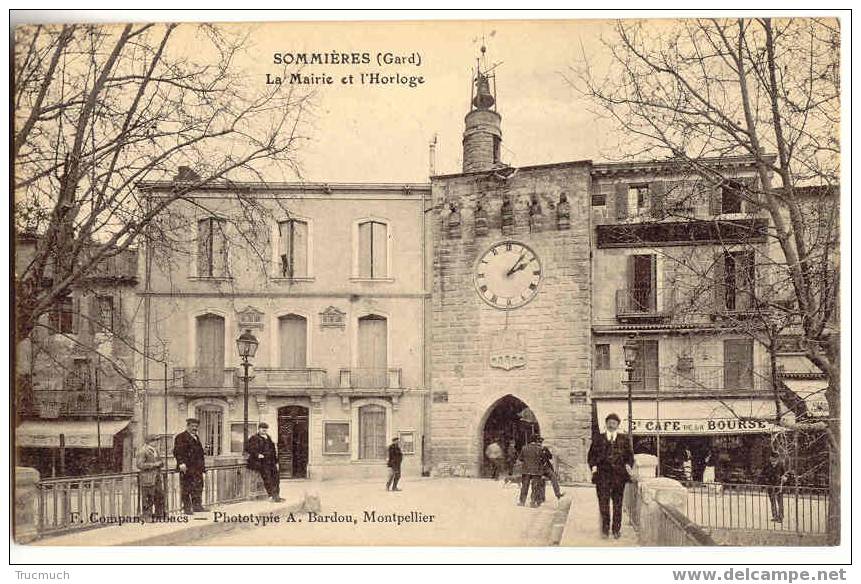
<point x="507" y="275"/>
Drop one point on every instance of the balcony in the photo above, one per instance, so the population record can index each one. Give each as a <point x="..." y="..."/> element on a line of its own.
<point x="53" y="404"/>
<point x="275" y="379"/>
<point x="370" y="378"/>
<point x="682" y="379"/>
<point x="644" y="304"/>
<point x="196" y="378"/>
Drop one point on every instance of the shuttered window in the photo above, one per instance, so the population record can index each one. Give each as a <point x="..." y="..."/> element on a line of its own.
<point x="292" y="331"/>
<point x="211" y="248"/>
<point x="293" y="249"/>
<point x="738" y="363"/>
<point x="210" y="349"/>
<point x="602" y="356"/>
<point x="373" y="250"/>
<point x="372" y="432"/>
<point x="372" y="357"/>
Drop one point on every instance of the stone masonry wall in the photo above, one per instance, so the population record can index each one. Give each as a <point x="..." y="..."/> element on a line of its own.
<point x="554" y="327"/>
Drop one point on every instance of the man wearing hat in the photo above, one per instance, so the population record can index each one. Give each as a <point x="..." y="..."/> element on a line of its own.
<point x="263" y="457"/>
<point x="150" y="465"/>
<point x="394" y="464"/>
<point x="532" y="460"/>
<point x="610" y="458"/>
<point x="189" y="455"/>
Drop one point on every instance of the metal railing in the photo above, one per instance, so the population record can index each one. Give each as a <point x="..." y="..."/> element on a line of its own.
<point x="756" y="507"/>
<point x="50" y="403"/>
<point x="75" y="503"/>
<point x="644" y="302"/>
<point x="370" y="378"/>
<point x="706" y="378"/>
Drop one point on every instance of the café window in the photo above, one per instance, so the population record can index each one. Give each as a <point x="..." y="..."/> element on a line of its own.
<point x="336" y="438"/>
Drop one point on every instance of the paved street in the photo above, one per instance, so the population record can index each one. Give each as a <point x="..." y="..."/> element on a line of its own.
<point x="466" y="512"/>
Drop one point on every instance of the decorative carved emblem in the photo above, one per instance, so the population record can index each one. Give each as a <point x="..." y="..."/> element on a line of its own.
<point x="333" y="318"/>
<point x="508" y="351"/>
<point x="250" y="318"/>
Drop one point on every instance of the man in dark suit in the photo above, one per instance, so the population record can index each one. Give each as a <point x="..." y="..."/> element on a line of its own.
<point x="189" y="455"/>
<point x="532" y="460"/>
<point x="394" y="464"/>
<point x="611" y="459"/>
<point x="263" y="458"/>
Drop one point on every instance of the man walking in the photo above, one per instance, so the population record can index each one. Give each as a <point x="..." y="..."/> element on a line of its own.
<point x="262" y="457"/>
<point x="496" y="456"/>
<point x="150" y="465"/>
<point x="394" y="464"/>
<point x="532" y="460"/>
<point x="610" y="458"/>
<point x="189" y="455"/>
<point x="773" y="475"/>
<point x="549" y="471"/>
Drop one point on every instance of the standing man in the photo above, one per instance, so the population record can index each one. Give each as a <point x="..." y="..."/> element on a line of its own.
<point x="496" y="456"/>
<point x="532" y="459"/>
<point x="189" y="455"/>
<point x="773" y="475"/>
<point x="150" y="465"/>
<point x="263" y="458"/>
<point x="394" y="464"/>
<point x="611" y="459"/>
<point x="549" y="471"/>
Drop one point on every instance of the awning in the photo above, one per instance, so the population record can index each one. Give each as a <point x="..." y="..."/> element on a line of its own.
<point x="77" y="434"/>
<point x="693" y="417"/>
<point x="812" y="392"/>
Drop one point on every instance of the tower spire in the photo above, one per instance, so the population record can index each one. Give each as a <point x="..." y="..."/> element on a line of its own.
<point x="482" y="136"/>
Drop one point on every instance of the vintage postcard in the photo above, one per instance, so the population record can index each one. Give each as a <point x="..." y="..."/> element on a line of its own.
<point x="512" y="283"/>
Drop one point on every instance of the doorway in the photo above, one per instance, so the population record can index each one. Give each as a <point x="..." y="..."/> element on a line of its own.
<point x="293" y="442"/>
<point x="512" y="423"/>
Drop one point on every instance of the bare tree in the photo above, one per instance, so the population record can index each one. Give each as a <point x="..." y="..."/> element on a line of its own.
<point x="761" y="88"/>
<point x="98" y="110"/>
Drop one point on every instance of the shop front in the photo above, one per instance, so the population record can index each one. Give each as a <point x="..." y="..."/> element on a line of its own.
<point x="725" y="441"/>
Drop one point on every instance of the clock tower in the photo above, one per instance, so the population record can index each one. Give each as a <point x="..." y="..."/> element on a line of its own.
<point x="510" y="346"/>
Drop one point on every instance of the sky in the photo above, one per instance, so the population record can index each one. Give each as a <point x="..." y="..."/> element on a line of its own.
<point x="368" y="133"/>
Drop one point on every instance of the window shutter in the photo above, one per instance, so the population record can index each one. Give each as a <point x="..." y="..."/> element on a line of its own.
<point x="76" y="315"/>
<point x="204" y="250"/>
<point x="365" y="250"/>
<point x="715" y="204"/>
<point x="621" y="200"/>
<point x="300" y="249"/>
<point x="718" y="281"/>
<point x="380" y="250"/>
<point x="219" y="252"/>
<point x="657" y="197"/>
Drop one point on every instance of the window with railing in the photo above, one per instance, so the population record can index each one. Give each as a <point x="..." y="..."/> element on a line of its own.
<point x="211" y="428"/>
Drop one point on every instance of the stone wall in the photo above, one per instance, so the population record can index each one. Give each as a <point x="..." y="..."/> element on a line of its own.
<point x="553" y="330"/>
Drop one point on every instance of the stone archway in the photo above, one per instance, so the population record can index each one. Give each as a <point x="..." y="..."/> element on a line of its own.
<point x="508" y="419"/>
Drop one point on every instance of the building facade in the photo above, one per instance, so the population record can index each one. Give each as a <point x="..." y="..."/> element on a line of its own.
<point x="330" y="279"/>
<point x="76" y="404"/>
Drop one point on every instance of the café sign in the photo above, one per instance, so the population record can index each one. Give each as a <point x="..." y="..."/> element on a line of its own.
<point x="702" y="426"/>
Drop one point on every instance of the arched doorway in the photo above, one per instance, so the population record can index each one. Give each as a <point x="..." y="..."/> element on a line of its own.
<point x="293" y="442"/>
<point x="508" y="420"/>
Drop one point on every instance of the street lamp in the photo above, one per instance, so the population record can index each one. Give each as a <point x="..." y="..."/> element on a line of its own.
<point x="631" y="350"/>
<point x="246" y="344"/>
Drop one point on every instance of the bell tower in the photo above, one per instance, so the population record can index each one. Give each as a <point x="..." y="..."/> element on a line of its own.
<point x="482" y="135"/>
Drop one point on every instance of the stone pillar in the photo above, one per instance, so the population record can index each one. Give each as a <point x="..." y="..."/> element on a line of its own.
<point x="645" y="467"/>
<point x="26" y="504"/>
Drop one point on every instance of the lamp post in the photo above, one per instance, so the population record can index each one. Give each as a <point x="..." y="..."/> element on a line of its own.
<point x="246" y="344"/>
<point x="631" y="350"/>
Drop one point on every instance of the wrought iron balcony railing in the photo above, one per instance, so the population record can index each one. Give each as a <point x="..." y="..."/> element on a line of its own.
<point x="634" y="303"/>
<point x="52" y="404"/>
<point x="205" y="377"/>
<point x="682" y="378"/>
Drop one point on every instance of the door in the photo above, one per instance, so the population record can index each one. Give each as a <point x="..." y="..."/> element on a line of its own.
<point x="293" y="442"/>
<point x="372" y="355"/>
<point x="210" y="350"/>
<point x="292" y="331"/>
